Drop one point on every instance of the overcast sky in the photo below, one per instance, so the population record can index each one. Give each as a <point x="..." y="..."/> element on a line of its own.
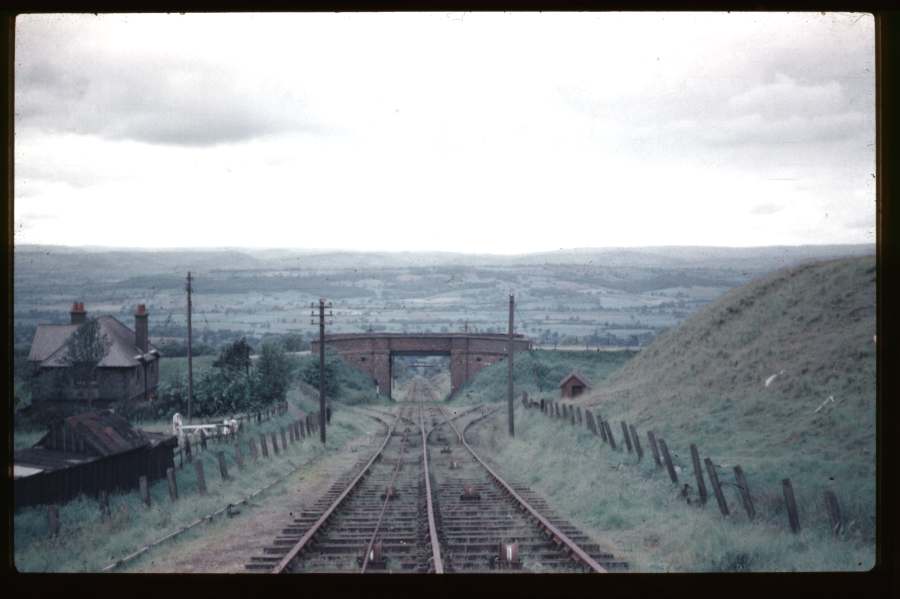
<point x="500" y="133"/>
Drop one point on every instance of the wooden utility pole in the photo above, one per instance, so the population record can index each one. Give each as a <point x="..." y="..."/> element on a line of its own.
<point x="189" y="356"/>
<point x="509" y="358"/>
<point x="322" y="370"/>
<point x="322" y="406"/>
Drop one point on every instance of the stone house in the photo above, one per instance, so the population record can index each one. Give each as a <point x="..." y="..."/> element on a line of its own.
<point x="129" y="370"/>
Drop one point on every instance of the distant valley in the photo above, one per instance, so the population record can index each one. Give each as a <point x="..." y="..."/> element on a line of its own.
<point x="582" y="298"/>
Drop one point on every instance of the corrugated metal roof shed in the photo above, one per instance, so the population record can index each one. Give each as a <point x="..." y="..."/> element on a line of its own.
<point x="102" y="433"/>
<point x="48" y="460"/>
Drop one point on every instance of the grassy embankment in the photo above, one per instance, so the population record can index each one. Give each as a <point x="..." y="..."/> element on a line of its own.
<point x="638" y="514"/>
<point x="87" y="543"/>
<point x="705" y="383"/>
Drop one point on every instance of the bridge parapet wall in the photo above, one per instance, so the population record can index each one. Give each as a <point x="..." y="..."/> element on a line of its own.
<point x="372" y="354"/>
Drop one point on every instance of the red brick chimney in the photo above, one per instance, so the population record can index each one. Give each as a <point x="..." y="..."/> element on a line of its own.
<point x="141" y="328"/>
<point x="77" y="313"/>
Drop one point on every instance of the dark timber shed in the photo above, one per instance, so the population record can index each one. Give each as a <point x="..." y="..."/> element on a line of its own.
<point x="573" y="384"/>
<point x="87" y="453"/>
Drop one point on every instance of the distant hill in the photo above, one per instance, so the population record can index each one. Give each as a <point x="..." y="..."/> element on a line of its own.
<point x="46" y="258"/>
<point x="777" y="375"/>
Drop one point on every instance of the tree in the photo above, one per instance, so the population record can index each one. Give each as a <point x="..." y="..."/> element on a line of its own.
<point x="294" y="342"/>
<point x="273" y="374"/>
<point x="235" y="357"/>
<point x="541" y="371"/>
<point x="84" y="350"/>
<point x="310" y="375"/>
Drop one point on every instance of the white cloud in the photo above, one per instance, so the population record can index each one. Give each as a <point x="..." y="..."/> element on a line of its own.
<point x="478" y="132"/>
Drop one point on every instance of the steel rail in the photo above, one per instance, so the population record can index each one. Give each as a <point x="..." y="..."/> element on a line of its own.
<point x="309" y="534"/>
<point x="387" y="499"/>
<point x="577" y="551"/>
<point x="432" y="528"/>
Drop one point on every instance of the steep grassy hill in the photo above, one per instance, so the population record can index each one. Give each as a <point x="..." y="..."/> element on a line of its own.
<point x="778" y="376"/>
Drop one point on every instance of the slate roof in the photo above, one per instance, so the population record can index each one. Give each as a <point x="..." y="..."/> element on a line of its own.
<point x="49" y="344"/>
<point x="104" y="433"/>
<point x="577" y="375"/>
<point x="48" y="338"/>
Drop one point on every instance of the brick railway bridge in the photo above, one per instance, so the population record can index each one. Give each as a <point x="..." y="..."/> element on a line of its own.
<point x="373" y="353"/>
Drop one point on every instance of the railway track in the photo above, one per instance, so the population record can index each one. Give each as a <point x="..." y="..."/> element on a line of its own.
<point x="425" y="501"/>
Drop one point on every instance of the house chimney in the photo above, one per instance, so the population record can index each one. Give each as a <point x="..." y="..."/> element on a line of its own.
<point x="141" y="328"/>
<point x="77" y="313"/>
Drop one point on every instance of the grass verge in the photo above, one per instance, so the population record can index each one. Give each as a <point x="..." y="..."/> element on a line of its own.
<point x="636" y="511"/>
<point x="87" y="543"/>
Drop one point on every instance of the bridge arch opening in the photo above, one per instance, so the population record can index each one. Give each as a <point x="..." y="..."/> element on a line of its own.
<point x="408" y="368"/>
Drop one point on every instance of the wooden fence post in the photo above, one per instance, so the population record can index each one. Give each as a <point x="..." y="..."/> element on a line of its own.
<point x="274" y="443"/>
<point x="664" y="450"/>
<point x="834" y="512"/>
<point x="238" y="456"/>
<point x="589" y="419"/>
<point x="698" y="474"/>
<point x="626" y="436"/>
<point x="187" y="448"/>
<point x="609" y="434"/>
<point x="300" y="429"/>
<point x="578" y="416"/>
<point x="173" y="484"/>
<point x="254" y="454"/>
<point x="637" y="442"/>
<point x="654" y="449"/>
<point x="572" y="415"/>
<point x="283" y="439"/>
<point x="223" y="470"/>
<point x="145" y="490"/>
<point x="717" y="488"/>
<point x="290" y="430"/>
<point x="104" y="504"/>
<point x="744" y="488"/>
<point x="263" y="446"/>
<point x="793" y="516"/>
<point x="201" y="478"/>
<point x="53" y="520"/>
<point x="202" y="438"/>
<point x="601" y="424"/>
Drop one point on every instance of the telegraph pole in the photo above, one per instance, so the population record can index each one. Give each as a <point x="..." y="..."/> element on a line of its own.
<point x="322" y="407"/>
<point x="509" y="358"/>
<point x="189" y="356"/>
